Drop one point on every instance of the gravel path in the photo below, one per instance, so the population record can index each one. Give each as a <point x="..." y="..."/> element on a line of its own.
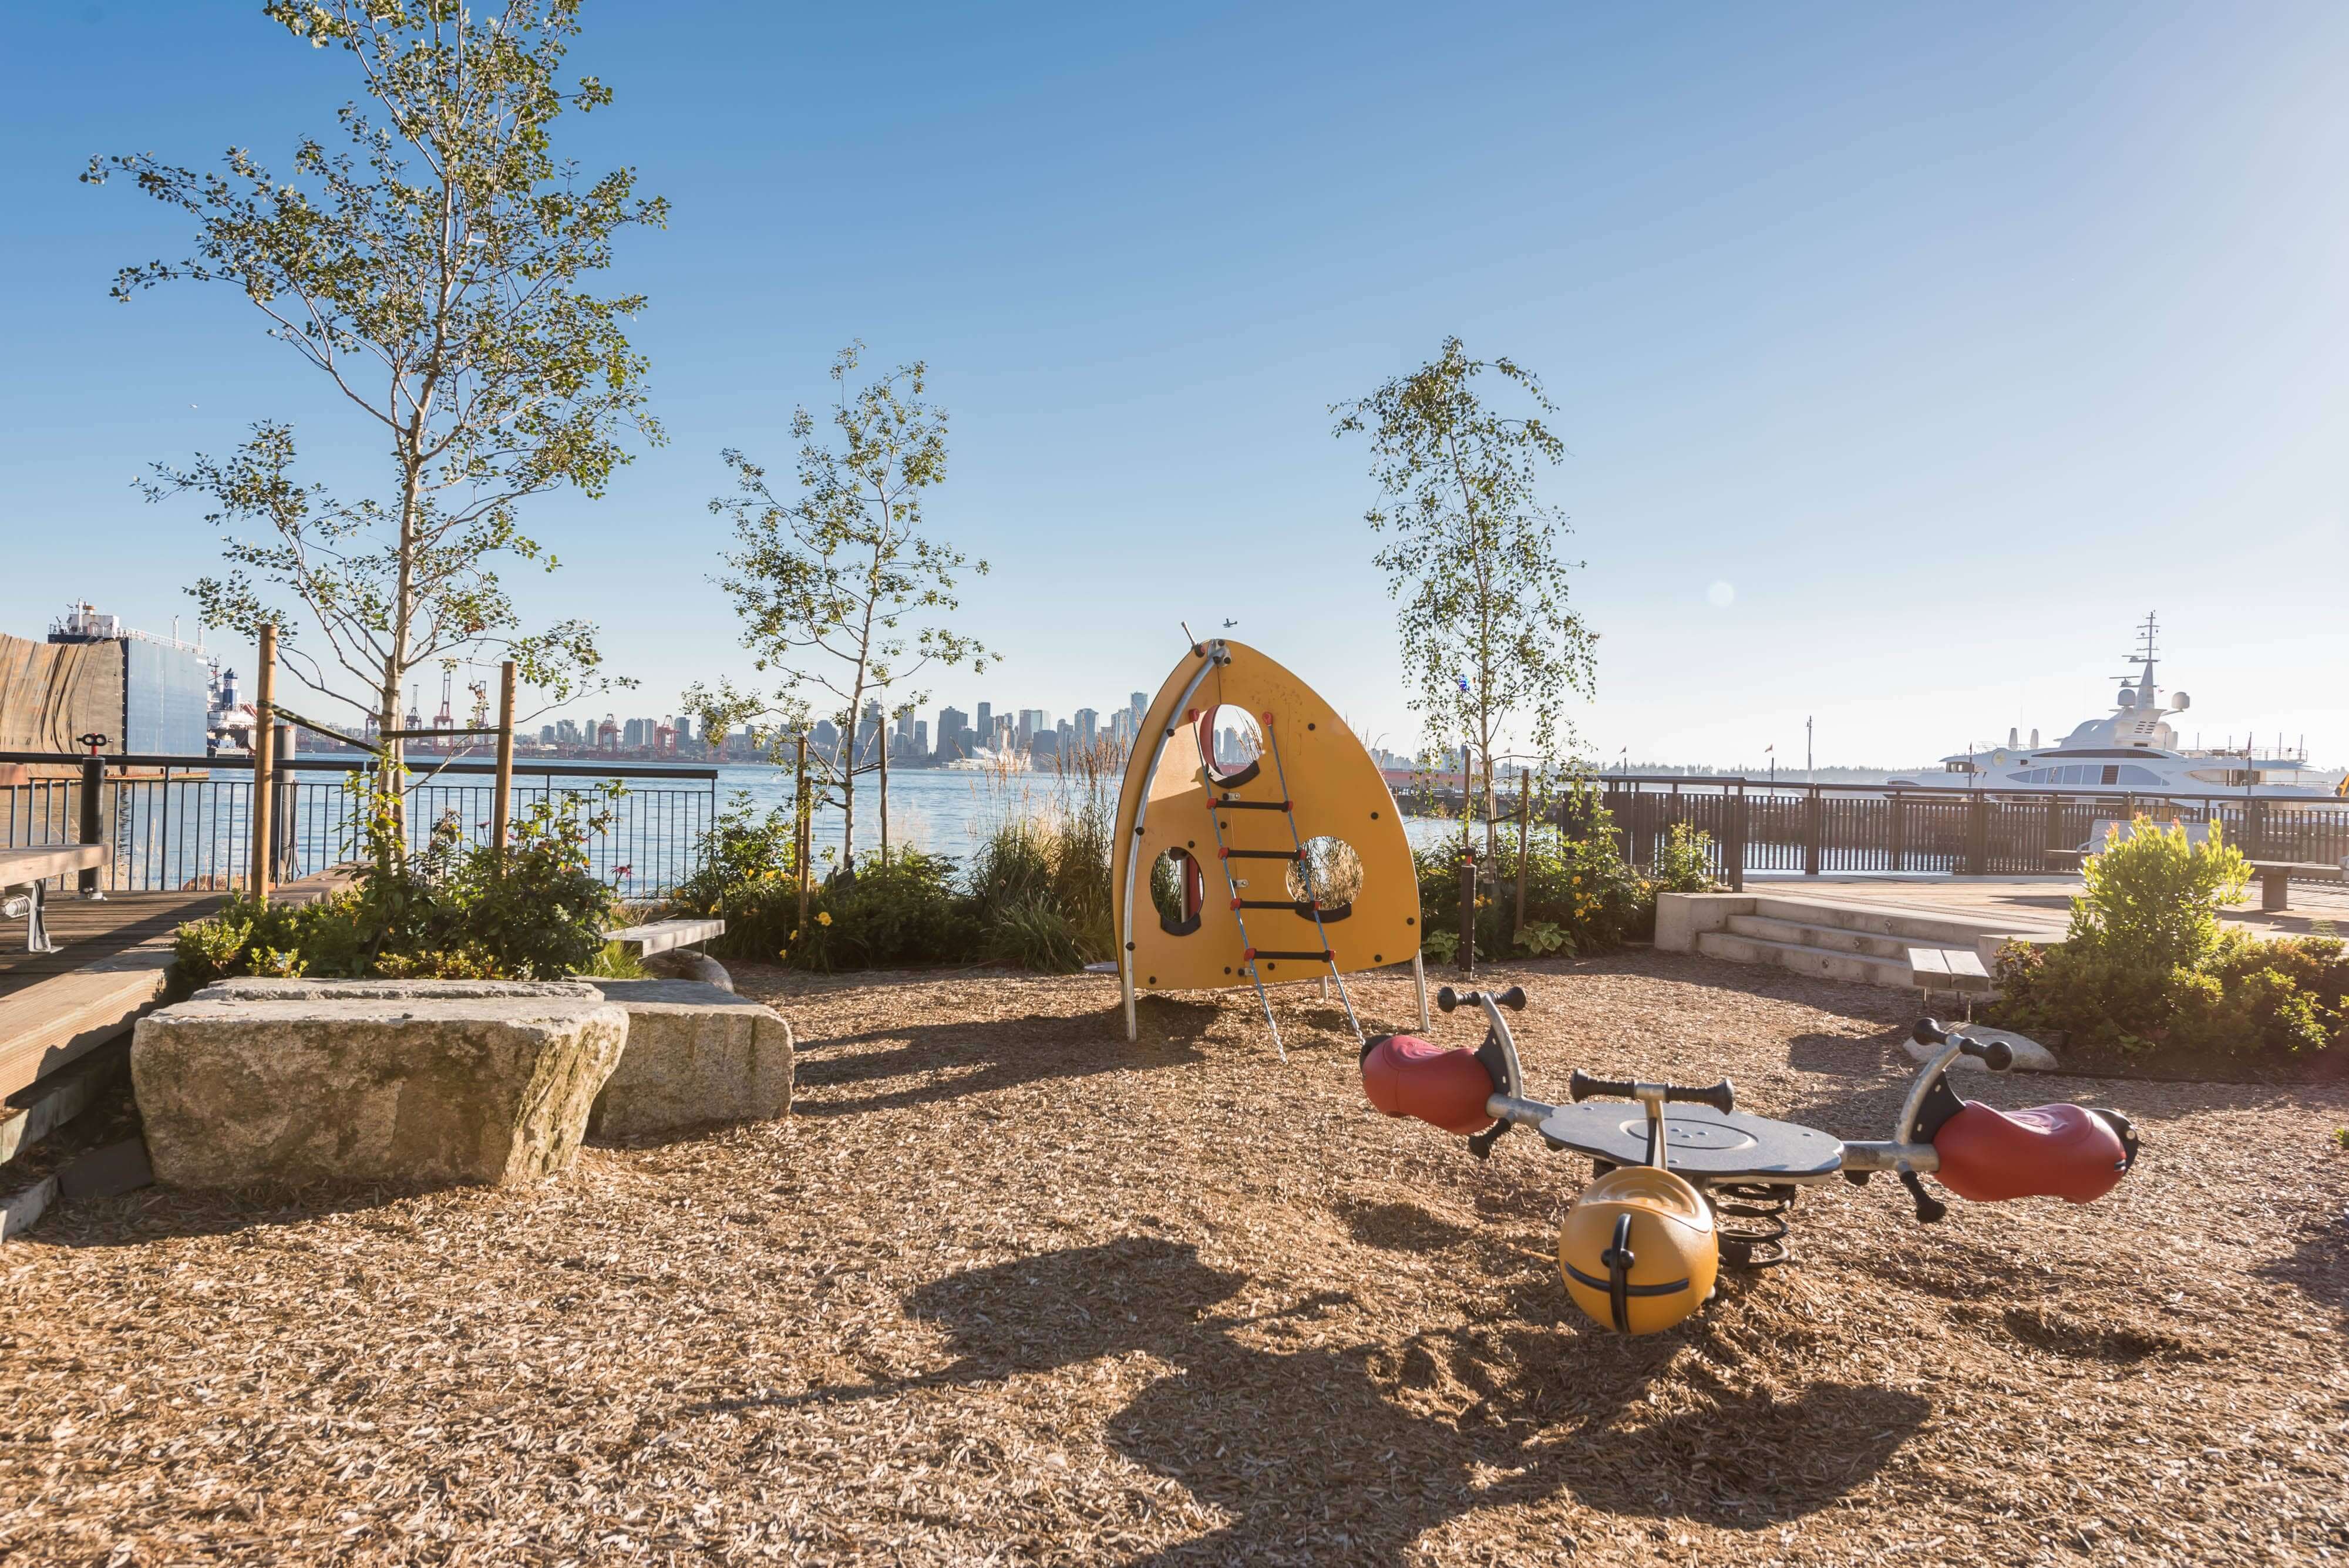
<point x="1004" y="1289"/>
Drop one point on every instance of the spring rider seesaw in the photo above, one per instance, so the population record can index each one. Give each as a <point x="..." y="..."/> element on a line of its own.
<point x="1677" y="1194"/>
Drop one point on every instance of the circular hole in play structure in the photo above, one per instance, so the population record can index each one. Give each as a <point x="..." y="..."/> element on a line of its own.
<point x="1229" y="741"/>
<point x="1336" y="873"/>
<point x="1177" y="887"/>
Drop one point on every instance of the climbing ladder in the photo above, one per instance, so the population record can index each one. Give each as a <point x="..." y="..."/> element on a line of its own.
<point x="1296" y="855"/>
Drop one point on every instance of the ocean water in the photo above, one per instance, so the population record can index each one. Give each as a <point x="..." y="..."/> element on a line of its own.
<point x="945" y="811"/>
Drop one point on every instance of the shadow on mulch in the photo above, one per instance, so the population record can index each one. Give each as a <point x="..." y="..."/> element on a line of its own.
<point x="1845" y="1056"/>
<point x="1306" y="1451"/>
<point x="984" y="1056"/>
<point x="2319" y="1267"/>
<point x="157" y="1214"/>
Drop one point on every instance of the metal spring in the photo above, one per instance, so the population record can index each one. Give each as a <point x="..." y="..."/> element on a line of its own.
<point x="1758" y="1238"/>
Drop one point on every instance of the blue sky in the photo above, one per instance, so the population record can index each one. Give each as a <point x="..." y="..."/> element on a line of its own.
<point x="1952" y="340"/>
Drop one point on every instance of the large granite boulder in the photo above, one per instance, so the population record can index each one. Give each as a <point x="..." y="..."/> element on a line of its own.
<point x="362" y="1080"/>
<point x="250" y="989"/>
<point x="696" y="1054"/>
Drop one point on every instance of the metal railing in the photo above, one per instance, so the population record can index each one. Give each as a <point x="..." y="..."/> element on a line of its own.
<point x="186" y="822"/>
<point x="1823" y="829"/>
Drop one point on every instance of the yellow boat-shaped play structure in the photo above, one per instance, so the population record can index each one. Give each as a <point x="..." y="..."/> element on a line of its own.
<point x="1291" y="865"/>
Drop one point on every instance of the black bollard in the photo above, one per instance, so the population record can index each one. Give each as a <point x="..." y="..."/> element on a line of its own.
<point x="1468" y="911"/>
<point x="93" y="786"/>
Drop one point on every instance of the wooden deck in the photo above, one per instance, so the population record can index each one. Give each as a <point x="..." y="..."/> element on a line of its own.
<point x="85" y="930"/>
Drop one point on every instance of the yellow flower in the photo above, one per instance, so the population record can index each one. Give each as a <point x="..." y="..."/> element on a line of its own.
<point x="782" y="953"/>
<point x="795" y="936"/>
<point x="823" y="917"/>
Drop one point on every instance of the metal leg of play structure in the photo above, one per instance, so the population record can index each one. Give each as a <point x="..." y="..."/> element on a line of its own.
<point x="1418" y="978"/>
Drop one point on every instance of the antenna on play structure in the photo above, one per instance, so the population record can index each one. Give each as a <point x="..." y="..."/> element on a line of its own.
<point x="1187" y="633"/>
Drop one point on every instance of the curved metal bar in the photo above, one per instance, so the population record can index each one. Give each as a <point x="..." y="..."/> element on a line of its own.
<point x="1905" y="1129"/>
<point x="1212" y="654"/>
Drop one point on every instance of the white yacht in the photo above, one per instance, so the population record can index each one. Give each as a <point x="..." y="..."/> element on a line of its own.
<point x="2131" y="751"/>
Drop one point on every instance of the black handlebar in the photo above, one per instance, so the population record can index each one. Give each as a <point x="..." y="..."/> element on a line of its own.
<point x="1721" y="1096"/>
<point x="1513" y="997"/>
<point x="1996" y="1055"/>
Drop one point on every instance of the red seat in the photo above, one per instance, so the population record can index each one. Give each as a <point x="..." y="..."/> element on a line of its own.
<point x="2049" y="1151"/>
<point x="1406" y="1076"/>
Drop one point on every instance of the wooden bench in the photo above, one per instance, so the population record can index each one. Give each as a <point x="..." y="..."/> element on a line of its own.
<point x="1951" y="970"/>
<point x="33" y="868"/>
<point x="2071" y="860"/>
<point x="661" y="936"/>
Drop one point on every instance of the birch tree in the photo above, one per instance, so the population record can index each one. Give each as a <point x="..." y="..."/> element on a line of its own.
<point x="431" y="267"/>
<point x="843" y="598"/>
<point x="1489" y="641"/>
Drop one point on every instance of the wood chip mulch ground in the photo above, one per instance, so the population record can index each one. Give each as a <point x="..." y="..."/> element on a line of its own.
<point x="1007" y="1290"/>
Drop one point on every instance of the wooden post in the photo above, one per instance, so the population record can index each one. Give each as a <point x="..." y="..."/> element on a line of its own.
<point x="805" y="835"/>
<point x="501" y="805"/>
<point x="1815" y="830"/>
<point x="264" y="701"/>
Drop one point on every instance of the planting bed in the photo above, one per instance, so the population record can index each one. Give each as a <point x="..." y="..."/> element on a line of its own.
<point x="1007" y="1289"/>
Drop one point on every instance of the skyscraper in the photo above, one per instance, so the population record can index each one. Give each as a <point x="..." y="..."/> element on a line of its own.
<point x="952" y="722"/>
<point x="1032" y="722"/>
<point x="1087" y="726"/>
<point x="987" y="724"/>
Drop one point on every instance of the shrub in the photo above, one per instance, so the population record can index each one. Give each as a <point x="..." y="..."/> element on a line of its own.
<point x="1685" y="864"/>
<point x="537" y="912"/>
<point x="748" y="879"/>
<point x="896" y="914"/>
<point x="272" y="939"/>
<point x="2146" y="967"/>
<point x="447" y="911"/>
<point x="1537" y="938"/>
<point x="1580" y="888"/>
<point x="2152" y="899"/>
<point x="1034" y="933"/>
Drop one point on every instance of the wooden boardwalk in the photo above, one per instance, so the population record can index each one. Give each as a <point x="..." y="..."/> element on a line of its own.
<point x="84" y="929"/>
<point x="2042" y="903"/>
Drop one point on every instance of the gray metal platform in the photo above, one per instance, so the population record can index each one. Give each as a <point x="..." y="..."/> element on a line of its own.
<point x="1700" y="1142"/>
